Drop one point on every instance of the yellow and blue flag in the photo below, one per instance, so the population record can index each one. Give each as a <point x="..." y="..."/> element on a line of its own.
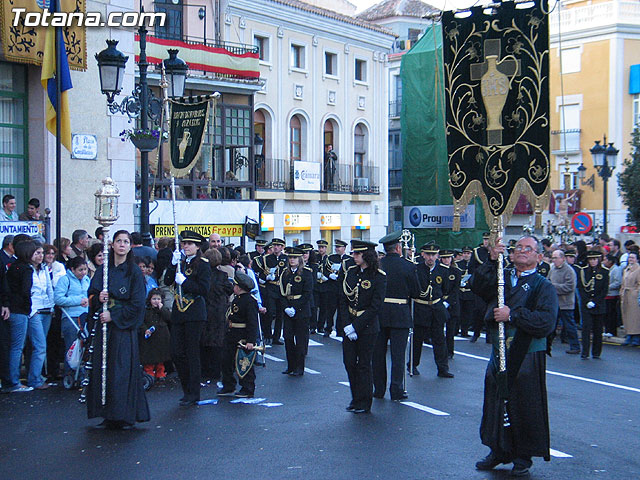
<point x="55" y="106"/>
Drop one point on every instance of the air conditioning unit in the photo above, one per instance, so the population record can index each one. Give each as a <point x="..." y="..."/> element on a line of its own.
<point x="361" y="184"/>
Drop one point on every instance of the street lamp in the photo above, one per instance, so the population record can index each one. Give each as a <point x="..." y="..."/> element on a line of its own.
<point x="141" y="103"/>
<point x="106" y="215"/>
<point x="604" y="160"/>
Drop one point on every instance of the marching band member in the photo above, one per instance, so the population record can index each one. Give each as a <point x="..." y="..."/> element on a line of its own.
<point x="274" y="264"/>
<point x="363" y="289"/>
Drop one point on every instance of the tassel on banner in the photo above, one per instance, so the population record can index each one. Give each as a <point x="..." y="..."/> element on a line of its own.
<point x="456" y="217"/>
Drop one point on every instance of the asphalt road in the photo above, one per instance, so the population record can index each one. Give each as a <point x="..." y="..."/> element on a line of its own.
<point x="301" y="430"/>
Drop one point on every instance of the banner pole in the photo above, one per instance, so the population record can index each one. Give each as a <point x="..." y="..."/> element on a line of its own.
<point x="175" y="230"/>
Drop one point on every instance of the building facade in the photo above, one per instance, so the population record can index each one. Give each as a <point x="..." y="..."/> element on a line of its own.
<point x="320" y="119"/>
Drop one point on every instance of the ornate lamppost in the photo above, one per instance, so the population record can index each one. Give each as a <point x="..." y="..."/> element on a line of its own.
<point x="604" y="160"/>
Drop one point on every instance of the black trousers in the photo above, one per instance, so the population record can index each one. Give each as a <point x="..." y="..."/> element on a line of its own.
<point x="479" y="311"/>
<point x="328" y="308"/>
<point x="452" y="326"/>
<point x="356" y="357"/>
<point x="430" y="320"/>
<point x="398" y="339"/>
<point x="296" y="338"/>
<point x="211" y="362"/>
<point x="275" y="305"/>
<point x="613" y="314"/>
<point x="186" y="356"/>
<point x="248" y="383"/>
<point x="467" y="308"/>
<point x="592" y="323"/>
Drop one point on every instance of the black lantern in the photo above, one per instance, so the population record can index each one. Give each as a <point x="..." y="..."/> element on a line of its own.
<point x="582" y="172"/>
<point x="176" y="70"/>
<point x="604" y="159"/>
<point x="111" y="63"/>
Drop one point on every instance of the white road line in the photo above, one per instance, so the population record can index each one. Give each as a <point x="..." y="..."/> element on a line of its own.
<point x="559" y="454"/>
<point x="271" y="357"/>
<point x="313" y="343"/>
<point x="424" y="408"/>
<point x="312" y="372"/>
<point x="565" y="375"/>
<point x="346" y="384"/>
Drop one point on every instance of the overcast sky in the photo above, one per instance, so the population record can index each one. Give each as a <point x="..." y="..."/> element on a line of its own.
<point x="441" y="4"/>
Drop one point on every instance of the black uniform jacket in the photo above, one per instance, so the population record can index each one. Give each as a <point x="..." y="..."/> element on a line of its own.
<point x="434" y="286"/>
<point x="453" y="297"/>
<point x="402" y="286"/>
<point x="361" y="298"/>
<point x="594" y="285"/>
<point x="479" y="256"/>
<point x="544" y="268"/>
<point x="194" y="289"/>
<point x="297" y="288"/>
<point x="278" y="262"/>
<point x="242" y="318"/>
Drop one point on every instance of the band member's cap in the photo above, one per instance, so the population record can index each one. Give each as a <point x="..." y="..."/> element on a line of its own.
<point x="391" y="239"/>
<point x="244" y="281"/>
<point x="322" y="243"/>
<point x="340" y="243"/>
<point x="570" y="253"/>
<point x="430" y="247"/>
<point x="305" y="247"/>
<point x="593" y="254"/>
<point x="485" y="235"/>
<point x="191" y="236"/>
<point x="467" y="249"/>
<point x="362" y="246"/>
<point x="293" y="251"/>
<point x="277" y="241"/>
<point x="444" y="253"/>
<point x="261" y="242"/>
<point x="457" y="251"/>
<point x="268" y="245"/>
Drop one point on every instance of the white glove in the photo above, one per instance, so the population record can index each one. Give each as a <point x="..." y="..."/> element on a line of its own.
<point x="335" y="267"/>
<point x="319" y="275"/>
<point x="290" y="311"/>
<point x="333" y="276"/>
<point x="353" y="336"/>
<point x="272" y="270"/>
<point x="180" y="278"/>
<point x="349" y="330"/>
<point x="446" y="304"/>
<point x="324" y="278"/>
<point x="176" y="257"/>
<point x="591" y="305"/>
<point x="271" y="277"/>
<point x="262" y="282"/>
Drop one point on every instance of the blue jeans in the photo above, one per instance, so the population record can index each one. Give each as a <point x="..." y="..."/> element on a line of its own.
<point x="565" y="317"/>
<point x="21" y="326"/>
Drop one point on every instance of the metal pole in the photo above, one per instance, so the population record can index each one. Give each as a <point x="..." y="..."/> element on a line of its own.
<point x="605" y="178"/>
<point x="105" y="287"/>
<point x="175" y="231"/>
<point x="58" y="139"/>
<point x="144" y="156"/>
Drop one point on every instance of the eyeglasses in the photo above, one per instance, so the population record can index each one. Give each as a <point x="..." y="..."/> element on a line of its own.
<point x="520" y="248"/>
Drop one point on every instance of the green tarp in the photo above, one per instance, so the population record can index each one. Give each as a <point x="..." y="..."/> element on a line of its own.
<point x="424" y="146"/>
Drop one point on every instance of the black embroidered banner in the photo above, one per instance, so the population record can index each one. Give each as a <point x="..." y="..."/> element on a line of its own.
<point x="187" y="127"/>
<point x="496" y="69"/>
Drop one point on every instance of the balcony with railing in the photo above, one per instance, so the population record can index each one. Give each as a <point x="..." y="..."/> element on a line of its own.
<point x="395" y="109"/>
<point x="594" y="16"/>
<point x="565" y="141"/>
<point x="278" y="174"/>
<point x="395" y="178"/>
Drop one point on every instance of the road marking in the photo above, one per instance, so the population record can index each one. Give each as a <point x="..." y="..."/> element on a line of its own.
<point x="559" y="454"/>
<point x="346" y="384"/>
<point x="333" y="335"/>
<point x="565" y="375"/>
<point x="271" y="357"/>
<point x="424" y="408"/>
<point x="313" y="343"/>
<point x="312" y="372"/>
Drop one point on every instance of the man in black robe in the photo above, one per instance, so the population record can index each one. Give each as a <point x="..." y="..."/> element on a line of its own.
<point x="529" y="316"/>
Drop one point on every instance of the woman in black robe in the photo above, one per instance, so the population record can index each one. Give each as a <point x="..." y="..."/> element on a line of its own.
<point x="126" y="402"/>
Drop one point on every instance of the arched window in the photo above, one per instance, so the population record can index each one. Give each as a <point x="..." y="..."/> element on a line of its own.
<point x="295" y="138"/>
<point x="359" y="150"/>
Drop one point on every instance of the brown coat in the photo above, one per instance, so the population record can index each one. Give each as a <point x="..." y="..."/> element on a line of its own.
<point x="629" y="300"/>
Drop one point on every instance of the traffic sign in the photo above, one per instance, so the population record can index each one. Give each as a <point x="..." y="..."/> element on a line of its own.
<point x="581" y="222"/>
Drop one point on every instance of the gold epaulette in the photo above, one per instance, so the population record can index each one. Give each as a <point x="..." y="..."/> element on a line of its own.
<point x="307" y="268"/>
<point x="444" y="266"/>
<point x="380" y="270"/>
<point x="204" y="259"/>
<point x="605" y="268"/>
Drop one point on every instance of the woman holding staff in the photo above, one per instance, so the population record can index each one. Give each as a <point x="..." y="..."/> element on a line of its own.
<point x="126" y="402"/>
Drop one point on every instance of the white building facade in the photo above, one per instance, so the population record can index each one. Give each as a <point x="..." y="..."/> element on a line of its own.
<point x="325" y="84"/>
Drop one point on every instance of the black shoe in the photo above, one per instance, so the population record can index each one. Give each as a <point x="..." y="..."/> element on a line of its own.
<point x="450" y="356"/>
<point x="287" y="372"/>
<point x="277" y="342"/>
<point x="225" y="392"/>
<point x="489" y="462"/>
<point x="584" y="357"/>
<point x="445" y="374"/>
<point x="326" y="334"/>
<point x="399" y="398"/>
<point x="350" y="408"/>
<point x="242" y="393"/>
<point x="378" y="395"/>
<point x="312" y="331"/>
<point x="573" y="352"/>
<point x="188" y="403"/>
<point x="361" y="410"/>
<point x="296" y="374"/>
<point x="521" y="467"/>
<point x="474" y="339"/>
<point x="596" y="357"/>
<point x="465" y="335"/>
